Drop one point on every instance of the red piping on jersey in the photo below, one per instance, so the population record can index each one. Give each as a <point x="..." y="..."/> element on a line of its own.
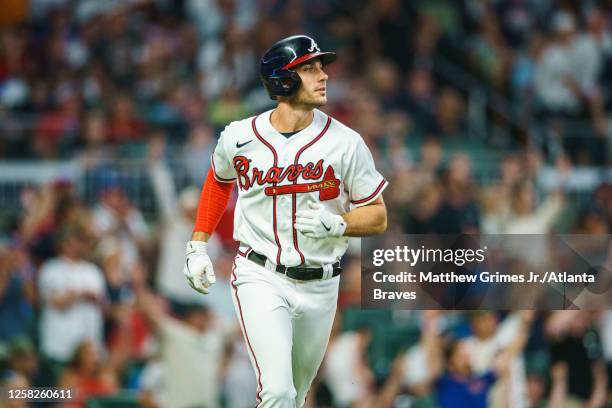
<point x="246" y="336"/>
<point x="293" y="196"/>
<point x="246" y="253"/>
<point x="262" y="140"/>
<point x="221" y="179"/>
<point x="363" y="200"/>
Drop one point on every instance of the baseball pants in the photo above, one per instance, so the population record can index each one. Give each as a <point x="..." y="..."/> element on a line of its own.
<point x="286" y="326"/>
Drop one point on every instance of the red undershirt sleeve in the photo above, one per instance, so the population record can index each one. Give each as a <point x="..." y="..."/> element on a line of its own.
<point x="213" y="200"/>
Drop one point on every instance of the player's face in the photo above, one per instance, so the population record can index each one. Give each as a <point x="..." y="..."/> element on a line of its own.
<point x="313" y="90"/>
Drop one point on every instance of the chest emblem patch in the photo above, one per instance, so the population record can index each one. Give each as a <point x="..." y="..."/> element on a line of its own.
<point x="325" y="182"/>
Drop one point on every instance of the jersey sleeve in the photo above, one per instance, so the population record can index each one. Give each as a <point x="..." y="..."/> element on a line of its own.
<point x="221" y="161"/>
<point x="364" y="183"/>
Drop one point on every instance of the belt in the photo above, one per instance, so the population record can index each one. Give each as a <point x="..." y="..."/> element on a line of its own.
<point x="294" y="272"/>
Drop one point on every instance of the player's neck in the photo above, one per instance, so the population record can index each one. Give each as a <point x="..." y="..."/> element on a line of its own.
<point x="287" y="118"/>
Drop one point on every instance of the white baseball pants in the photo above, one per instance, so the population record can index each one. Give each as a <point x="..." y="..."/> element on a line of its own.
<point x="286" y="326"/>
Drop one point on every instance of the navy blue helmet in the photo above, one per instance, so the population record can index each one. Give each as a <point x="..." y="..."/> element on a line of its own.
<point x="275" y="67"/>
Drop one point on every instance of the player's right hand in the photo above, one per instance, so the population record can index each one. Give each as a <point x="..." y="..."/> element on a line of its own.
<point x="198" y="267"/>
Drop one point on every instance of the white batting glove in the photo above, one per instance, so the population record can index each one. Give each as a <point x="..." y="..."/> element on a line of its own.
<point x="198" y="267"/>
<point x="319" y="223"/>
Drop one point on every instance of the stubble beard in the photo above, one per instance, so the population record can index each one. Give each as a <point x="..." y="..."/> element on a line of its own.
<point x="305" y="102"/>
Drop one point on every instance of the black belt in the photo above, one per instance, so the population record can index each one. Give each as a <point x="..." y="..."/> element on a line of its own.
<point x="294" y="272"/>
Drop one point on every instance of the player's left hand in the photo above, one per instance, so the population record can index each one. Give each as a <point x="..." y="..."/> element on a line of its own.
<point x="317" y="222"/>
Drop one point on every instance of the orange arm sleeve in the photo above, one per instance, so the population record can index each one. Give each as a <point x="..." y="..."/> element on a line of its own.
<point x="213" y="200"/>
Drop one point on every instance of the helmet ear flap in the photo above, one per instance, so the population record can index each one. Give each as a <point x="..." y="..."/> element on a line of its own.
<point x="284" y="83"/>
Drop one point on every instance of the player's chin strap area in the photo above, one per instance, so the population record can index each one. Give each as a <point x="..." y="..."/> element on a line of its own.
<point x="294" y="272"/>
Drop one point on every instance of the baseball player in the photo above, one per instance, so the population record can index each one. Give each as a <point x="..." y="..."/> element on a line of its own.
<point x="306" y="182"/>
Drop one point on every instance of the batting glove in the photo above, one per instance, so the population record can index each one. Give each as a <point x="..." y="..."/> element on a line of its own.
<point x="319" y="223"/>
<point x="198" y="267"/>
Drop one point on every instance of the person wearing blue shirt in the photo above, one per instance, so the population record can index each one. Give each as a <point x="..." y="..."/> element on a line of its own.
<point x="455" y="383"/>
<point x="458" y="386"/>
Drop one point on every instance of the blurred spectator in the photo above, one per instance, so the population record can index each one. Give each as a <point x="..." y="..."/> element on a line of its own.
<point x="346" y="369"/>
<point x="88" y="376"/>
<point x="227" y="108"/>
<point x="58" y="129"/>
<point x="456" y="381"/>
<point x="17" y="293"/>
<point x="594" y="49"/>
<point x="422" y="218"/>
<point x="238" y="375"/>
<point x="605" y="328"/>
<point x="45" y="211"/>
<point x="13" y="56"/>
<point x="421" y="98"/>
<point x="95" y="153"/>
<point x="415" y="192"/>
<point x="392" y="26"/>
<point x="602" y="197"/>
<point x="350" y="292"/>
<point x="212" y="16"/>
<point x="590" y="222"/>
<point x="116" y="219"/>
<point x="489" y="339"/>
<point x="527" y="218"/>
<point x="228" y="62"/>
<point x="184" y="344"/>
<point x="197" y="153"/>
<point x="384" y="78"/>
<point x="451" y="368"/>
<point x="497" y="197"/>
<point x="397" y="130"/>
<point x="118" y="270"/>
<point x="12" y="380"/>
<point x="536" y="391"/>
<point x="578" y="372"/>
<point x="565" y="84"/>
<point x="556" y="84"/>
<point x="524" y="71"/>
<point x="449" y="119"/>
<point x="124" y="124"/>
<point x="490" y="53"/>
<point x="72" y="293"/>
<point x="459" y="212"/>
<point x="425" y="41"/>
<point x="22" y="360"/>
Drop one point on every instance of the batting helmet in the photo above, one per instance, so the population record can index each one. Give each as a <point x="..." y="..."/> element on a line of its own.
<point x="275" y="67"/>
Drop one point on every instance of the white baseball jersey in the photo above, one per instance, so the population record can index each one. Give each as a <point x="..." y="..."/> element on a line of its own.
<point x="327" y="162"/>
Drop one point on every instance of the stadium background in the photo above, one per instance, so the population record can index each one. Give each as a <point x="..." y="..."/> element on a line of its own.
<point x="484" y="115"/>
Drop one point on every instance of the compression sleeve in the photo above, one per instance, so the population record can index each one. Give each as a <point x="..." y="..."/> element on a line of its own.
<point x="213" y="200"/>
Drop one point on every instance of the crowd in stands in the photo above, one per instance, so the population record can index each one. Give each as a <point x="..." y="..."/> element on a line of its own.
<point x="463" y="104"/>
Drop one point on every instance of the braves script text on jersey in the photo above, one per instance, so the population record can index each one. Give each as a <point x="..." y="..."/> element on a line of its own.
<point x="325" y="163"/>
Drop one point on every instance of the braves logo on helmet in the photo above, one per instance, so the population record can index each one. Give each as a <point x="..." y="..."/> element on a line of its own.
<point x="313" y="46"/>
